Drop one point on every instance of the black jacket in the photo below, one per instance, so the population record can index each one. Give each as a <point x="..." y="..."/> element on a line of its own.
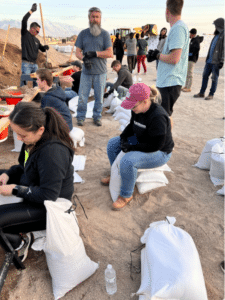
<point x="150" y="131"/>
<point x="47" y="174"/>
<point x="56" y="98"/>
<point x="118" y="45"/>
<point x="218" y="54"/>
<point x="76" y="82"/>
<point x="29" y="43"/>
<point x="194" y="48"/>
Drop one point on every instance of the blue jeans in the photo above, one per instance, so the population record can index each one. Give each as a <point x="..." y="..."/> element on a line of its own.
<point x="210" y="68"/>
<point x="122" y="91"/>
<point x="86" y="83"/>
<point x="131" y="162"/>
<point x="28" y="68"/>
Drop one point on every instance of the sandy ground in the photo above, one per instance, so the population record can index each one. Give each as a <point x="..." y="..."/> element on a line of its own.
<point x="110" y="236"/>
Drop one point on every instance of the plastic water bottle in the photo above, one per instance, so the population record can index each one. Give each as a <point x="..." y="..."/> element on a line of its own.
<point x="110" y="280"/>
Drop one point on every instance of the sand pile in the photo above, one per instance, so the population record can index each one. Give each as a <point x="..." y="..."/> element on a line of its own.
<point x="10" y="66"/>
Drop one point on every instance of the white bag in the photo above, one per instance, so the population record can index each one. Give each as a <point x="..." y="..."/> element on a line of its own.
<point x="108" y="100"/>
<point x="66" y="258"/>
<point x="152" y="176"/>
<point x="145" y="187"/>
<point x="221" y="191"/>
<point x="119" y="109"/>
<point x="162" y="168"/>
<point x="115" y="178"/>
<point x="122" y="127"/>
<point x="77" y="135"/>
<point x="73" y="103"/>
<point x="205" y="157"/>
<point x="217" y="164"/>
<point x="9" y="199"/>
<point x="122" y="116"/>
<point x="172" y="268"/>
<point x="17" y="144"/>
<point x="115" y="102"/>
<point x="124" y="122"/>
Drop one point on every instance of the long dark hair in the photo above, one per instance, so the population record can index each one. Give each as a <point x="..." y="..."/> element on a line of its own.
<point x="163" y="36"/>
<point x="31" y="117"/>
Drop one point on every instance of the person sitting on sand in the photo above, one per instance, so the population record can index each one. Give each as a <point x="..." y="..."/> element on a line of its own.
<point x="147" y="140"/>
<point x="44" y="172"/>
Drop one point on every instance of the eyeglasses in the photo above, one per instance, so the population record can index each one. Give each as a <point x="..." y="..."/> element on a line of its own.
<point x="136" y="105"/>
<point x="37" y="31"/>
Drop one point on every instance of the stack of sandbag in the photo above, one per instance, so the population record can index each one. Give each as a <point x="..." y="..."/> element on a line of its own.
<point x="147" y="179"/>
<point x="73" y="103"/>
<point x="108" y="100"/>
<point x="123" y="116"/>
<point x="114" y="103"/>
<point x="170" y="264"/>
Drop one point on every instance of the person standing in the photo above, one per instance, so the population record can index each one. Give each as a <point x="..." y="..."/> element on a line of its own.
<point x="194" y="49"/>
<point x="30" y="45"/>
<point x="162" y="40"/>
<point x="173" y="60"/>
<point x="142" y="46"/>
<point x="93" y="46"/>
<point x="214" y="61"/>
<point x="131" y="45"/>
<point x="118" y="45"/>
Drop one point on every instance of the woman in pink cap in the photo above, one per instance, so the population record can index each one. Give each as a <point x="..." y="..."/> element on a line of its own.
<point x="147" y="140"/>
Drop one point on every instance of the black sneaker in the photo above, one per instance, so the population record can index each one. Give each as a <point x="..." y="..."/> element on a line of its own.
<point x="80" y="122"/>
<point x="199" y="95"/>
<point x="23" y="251"/>
<point x="222" y="266"/>
<point x="98" y="122"/>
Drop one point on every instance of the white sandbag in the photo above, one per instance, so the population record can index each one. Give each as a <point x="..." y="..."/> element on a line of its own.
<point x="221" y="191"/>
<point x="115" y="178"/>
<point x="77" y="135"/>
<point x="172" y="265"/>
<point x="122" y="127"/>
<point x="145" y="187"/>
<point x="9" y="199"/>
<point x="124" y="122"/>
<point x="17" y="144"/>
<point x="115" y="102"/>
<point x="152" y="176"/>
<point x="164" y="168"/>
<point x="92" y="92"/>
<point x="66" y="258"/>
<point x="73" y="103"/>
<point x="217" y="164"/>
<point x="108" y="100"/>
<point x="205" y="157"/>
<point x="121" y="115"/>
<point x="119" y="109"/>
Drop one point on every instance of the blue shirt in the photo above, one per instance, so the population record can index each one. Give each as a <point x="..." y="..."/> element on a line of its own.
<point x="213" y="45"/>
<point x="87" y="42"/>
<point x="174" y="74"/>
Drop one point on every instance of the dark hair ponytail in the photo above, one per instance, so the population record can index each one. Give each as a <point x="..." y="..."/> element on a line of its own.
<point x="31" y="117"/>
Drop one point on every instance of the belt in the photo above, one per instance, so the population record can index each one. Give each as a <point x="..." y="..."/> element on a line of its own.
<point x="30" y="62"/>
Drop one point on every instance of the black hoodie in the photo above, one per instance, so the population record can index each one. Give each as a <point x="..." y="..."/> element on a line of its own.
<point x="194" y="48"/>
<point x="47" y="174"/>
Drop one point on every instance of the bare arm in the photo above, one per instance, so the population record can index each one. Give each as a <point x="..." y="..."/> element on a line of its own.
<point x="108" y="53"/>
<point x="172" y="58"/>
<point x="79" y="53"/>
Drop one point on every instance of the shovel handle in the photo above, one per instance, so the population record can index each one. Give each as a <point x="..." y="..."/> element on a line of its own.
<point x="6" y="41"/>
<point x="42" y="21"/>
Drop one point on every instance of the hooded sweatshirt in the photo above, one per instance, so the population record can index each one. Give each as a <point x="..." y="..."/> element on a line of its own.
<point x="194" y="48"/>
<point x="56" y="98"/>
<point x="47" y="173"/>
<point x="124" y="78"/>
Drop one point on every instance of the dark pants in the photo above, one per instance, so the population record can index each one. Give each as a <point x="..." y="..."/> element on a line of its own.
<point x="214" y="69"/>
<point x="131" y="61"/>
<point x="21" y="218"/>
<point x="119" y="57"/>
<point x="169" y="96"/>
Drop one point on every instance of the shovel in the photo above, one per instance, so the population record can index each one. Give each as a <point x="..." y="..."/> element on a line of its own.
<point x="5" y="43"/>
<point x="47" y="65"/>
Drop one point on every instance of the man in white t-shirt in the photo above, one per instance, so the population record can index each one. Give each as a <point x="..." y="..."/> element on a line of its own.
<point x="173" y="60"/>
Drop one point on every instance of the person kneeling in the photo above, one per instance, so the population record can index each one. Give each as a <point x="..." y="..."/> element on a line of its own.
<point x="147" y="140"/>
<point x="44" y="172"/>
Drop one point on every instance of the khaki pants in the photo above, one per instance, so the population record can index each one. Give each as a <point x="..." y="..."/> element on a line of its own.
<point x="191" y="66"/>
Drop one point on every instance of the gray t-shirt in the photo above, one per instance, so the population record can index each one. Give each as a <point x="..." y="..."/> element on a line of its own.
<point x="142" y="45"/>
<point x="87" y="42"/>
<point x="131" y="47"/>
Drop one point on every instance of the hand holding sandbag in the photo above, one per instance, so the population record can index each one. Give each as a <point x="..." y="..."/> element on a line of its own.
<point x="87" y="63"/>
<point x="34" y="7"/>
<point x="4" y="178"/>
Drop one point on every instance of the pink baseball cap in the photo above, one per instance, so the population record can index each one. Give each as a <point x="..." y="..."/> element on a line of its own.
<point x="137" y="92"/>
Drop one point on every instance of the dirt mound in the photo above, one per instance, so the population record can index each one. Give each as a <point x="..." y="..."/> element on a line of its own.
<point x="10" y="64"/>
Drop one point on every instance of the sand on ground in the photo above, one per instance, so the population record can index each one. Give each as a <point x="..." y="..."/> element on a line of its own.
<point x="190" y="197"/>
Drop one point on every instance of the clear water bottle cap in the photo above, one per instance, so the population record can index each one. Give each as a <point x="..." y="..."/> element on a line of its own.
<point x="109" y="267"/>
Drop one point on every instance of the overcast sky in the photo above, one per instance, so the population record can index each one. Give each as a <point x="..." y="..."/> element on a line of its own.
<point x="118" y="13"/>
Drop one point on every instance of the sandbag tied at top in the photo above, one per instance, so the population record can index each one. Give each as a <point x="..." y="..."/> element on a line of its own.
<point x="170" y="264"/>
<point x="217" y="164"/>
<point x="205" y="157"/>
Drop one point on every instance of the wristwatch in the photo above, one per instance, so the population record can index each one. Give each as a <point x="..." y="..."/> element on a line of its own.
<point x="15" y="191"/>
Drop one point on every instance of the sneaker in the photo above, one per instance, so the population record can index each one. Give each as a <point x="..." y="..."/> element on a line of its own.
<point x="186" y="90"/>
<point x="23" y="251"/>
<point x="98" y="122"/>
<point x="80" y="122"/>
<point x="199" y="95"/>
<point x="210" y="97"/>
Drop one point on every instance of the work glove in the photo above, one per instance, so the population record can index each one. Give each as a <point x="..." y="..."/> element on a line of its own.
<point x="220" y="65"/>
<point x="152" y="55"/>
<point x="108" y="93"/>
<point x="34" y="7"/>
<point x="126" y="147"/>
<point x="90" y="54"/>
<point x="87" y="63"/>
<point x="46" y="47"/>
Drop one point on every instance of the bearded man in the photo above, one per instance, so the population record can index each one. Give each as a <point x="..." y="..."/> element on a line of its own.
<point x="93" y="46"/>
<point x="30" y="45"/>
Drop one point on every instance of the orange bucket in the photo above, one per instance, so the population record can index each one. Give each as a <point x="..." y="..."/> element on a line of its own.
<point x="13" y="101"/>
<point x="68" y="72"/>
<point x="4" y="135"/>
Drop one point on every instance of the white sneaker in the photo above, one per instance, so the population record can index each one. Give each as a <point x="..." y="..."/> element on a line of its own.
<point x="23" y="251"/>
